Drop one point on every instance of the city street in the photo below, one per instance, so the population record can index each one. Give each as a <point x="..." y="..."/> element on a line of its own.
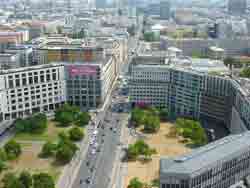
<point x="96" y="168"/>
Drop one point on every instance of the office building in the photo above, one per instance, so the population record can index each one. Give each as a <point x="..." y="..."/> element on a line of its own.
<point x="9" y="61"/>
<point x="196" y="88"/>
<point x="165" y="9"/>
<point x="217" y="165"/>
<point x="31" y="89"/>
<point x="69" y="53"/>
<point x="89" y="83"/>
<point x="237" y="7"/>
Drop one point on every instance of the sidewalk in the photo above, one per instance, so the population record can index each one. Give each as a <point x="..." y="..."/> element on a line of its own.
<point x="117" y="176"/>
<point x="69" y="172"/>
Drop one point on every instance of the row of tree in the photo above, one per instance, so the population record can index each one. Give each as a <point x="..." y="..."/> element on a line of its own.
<point x="67" y="115"/>
<point x="35" y="124"/>
<point x="140" y="149"/>
<point x="27" y="180"/>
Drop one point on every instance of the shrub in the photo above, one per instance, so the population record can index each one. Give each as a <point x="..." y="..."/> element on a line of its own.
<point x="3" y="166"/>
<point x="26" y="179"/>
<point x="48" y="149"/>
<point x="11" y="181"/>
<point x="43" y="180"/>
<point x="12" y="149"/>
<point x="3" y="155"/>
<point x="76" y="134"/>
<point x="135" y="183"/>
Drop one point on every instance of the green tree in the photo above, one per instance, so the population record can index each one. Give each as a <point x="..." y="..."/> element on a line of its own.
<point x="245" y="73"/>
<point x="151" y="124"/>
<point x="3" y="155"/>
<point x="148" y="36"/>
<point x="67" y="114"/>
<point x="138" y="116"/>
<point x="11" y="181"/>
<point x="164" y="114"/>
<point x="64" y="154"/>
<point x="132" y="152"/>
<point x="48" y="149"/>
<point x="12" y="149"/>
<point x="135" y="183"/>
<point x="43" y="180"/>
<point x="3" y="166"/>
<point x="76" y="134"/>
<point x="229" y="61"/>
<point x="22" y="125"/>
<point x="34" y="124"/>
<point x="83" y="119"/>
<point x="26" y="179"/>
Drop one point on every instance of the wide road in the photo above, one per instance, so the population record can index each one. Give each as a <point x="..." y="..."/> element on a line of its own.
<point x="100" y="165"/>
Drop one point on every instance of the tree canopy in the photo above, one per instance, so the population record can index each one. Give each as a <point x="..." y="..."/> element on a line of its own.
<point x="191" y="129"/>
<point x="245" y="73"/>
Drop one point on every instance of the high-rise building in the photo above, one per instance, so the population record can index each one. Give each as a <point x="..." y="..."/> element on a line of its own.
<point x="100" y="4"/>
<point x="237" y="7"/>
<point x="165" y="9"/>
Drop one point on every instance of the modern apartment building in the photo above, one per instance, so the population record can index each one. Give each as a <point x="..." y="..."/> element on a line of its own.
<point x="31" y="89"/>
<point x="197" y="88"/>
<point x="216" y="165"/>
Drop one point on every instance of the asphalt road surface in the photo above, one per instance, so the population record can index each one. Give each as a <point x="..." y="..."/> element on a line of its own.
<point x="101" y="162"/>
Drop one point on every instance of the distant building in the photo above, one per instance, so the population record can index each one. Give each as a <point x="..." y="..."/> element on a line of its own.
<point x="101" y="4"/>
<point x="220" y="164"/>
<point x="165" y="9"/>
<point x="237" y="7"/>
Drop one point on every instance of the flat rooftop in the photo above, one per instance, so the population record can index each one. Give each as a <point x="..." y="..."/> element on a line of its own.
<point x="202" y="158"/>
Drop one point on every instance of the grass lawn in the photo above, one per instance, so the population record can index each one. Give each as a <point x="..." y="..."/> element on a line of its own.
<point x="165" y="146"/>
<point x="49" y="135"/>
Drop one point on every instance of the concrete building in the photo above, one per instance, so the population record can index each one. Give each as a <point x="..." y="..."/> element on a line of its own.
<point x="165" y="9"/>
<point x="232" y="46"/>
<point x="220" y="164"/>
<point x="69" y="53"/>
<point x="100" y="4"/>
<point x="89" y="83"/>
<point x="237" y="7"/>
<point x="196" y="88"/>
<point x="31" y="89"/>
<point x="9" y="61"/>
<point x="25" y="53"/>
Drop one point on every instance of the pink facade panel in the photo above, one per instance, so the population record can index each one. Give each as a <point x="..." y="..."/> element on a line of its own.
<point x="82" y="70"/>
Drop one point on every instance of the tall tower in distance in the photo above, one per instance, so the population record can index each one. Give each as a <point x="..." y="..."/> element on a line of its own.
<point x="100" y="4"/>
<point x="165" y="8"/>
<point x="237" y="7"/>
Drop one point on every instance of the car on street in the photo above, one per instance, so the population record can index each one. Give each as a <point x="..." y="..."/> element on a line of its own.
<point x="88" y="180"/>
<point x="93" y="152"/>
